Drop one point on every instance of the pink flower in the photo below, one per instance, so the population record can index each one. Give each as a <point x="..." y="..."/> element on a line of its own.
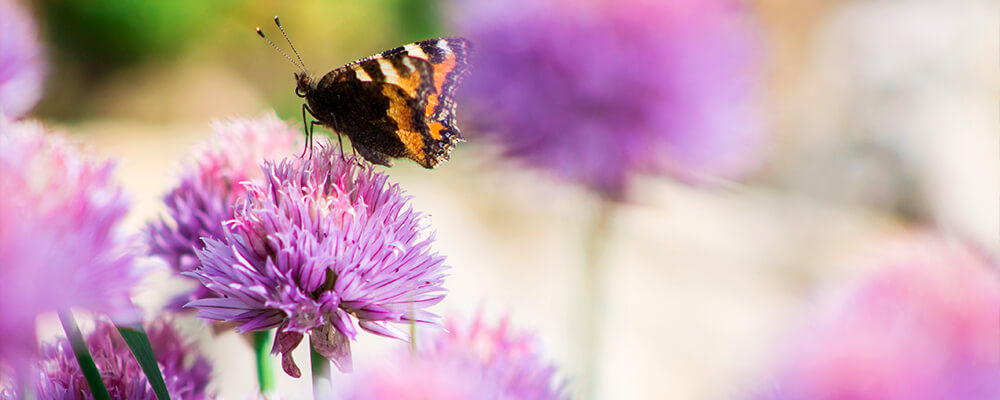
<point x="925" y="325"/>
<point x="58" y="242"/>
<point x="320" y="248"/>
<point x="479" y="361"/>
<point x="21" y="66"/>
<point x="210" y="187"/>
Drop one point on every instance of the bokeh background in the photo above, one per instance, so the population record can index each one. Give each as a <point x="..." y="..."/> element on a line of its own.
<point x="881" y="118"/>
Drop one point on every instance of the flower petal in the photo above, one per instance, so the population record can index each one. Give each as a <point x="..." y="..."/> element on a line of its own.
<point x="285" y="342"/>
<point x="333" y="345"/>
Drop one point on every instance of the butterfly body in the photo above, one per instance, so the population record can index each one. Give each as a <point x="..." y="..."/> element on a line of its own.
<point x="396" y="104"/>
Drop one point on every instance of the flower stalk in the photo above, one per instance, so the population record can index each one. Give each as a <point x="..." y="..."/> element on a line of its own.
<point x="322" y="377"/>
<point x="594" y="295"/>
<point x="265" y="368"/>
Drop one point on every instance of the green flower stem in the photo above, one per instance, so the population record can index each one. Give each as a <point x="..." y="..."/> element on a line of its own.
<point x="321" y="376"/>
<point x="265" y="368"/>
<point x="83" y="356"/>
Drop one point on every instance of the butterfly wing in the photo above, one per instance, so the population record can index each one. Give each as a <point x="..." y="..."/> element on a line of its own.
<point x="383" y="120"/>
<point x="399" y="103"/>
<point x="449" y="59"/>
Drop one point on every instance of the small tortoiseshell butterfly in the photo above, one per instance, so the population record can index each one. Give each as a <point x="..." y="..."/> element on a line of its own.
<point x="398" y="103"/>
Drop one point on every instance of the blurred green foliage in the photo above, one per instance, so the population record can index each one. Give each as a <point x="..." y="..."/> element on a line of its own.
<point x="104" y="35"/>
<point x="416" y="19"/>
<point x="95" y="44"/>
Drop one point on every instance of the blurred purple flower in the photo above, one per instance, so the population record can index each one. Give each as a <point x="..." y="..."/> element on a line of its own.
<point x="925" y="326"/>
<point x="476" y="362"/>
<point x="21" y="66"/>
<point x="479" y="361"/>
<point x="210" y="187"/>
<point x="185" y="372"/>
<point x="58" y="246"/>
<point x="320" y="243"/>
<point x="598" y="90"/>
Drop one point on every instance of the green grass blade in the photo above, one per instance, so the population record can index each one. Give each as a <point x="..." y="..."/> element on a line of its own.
<point x="138" y="342"/>
<point x="83" y="357"/>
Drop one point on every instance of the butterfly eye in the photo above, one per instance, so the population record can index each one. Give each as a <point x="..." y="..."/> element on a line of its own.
<point x="299" y="92"/>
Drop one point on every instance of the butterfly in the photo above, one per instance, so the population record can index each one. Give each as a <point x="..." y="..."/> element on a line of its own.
<point x="399" y="103"/>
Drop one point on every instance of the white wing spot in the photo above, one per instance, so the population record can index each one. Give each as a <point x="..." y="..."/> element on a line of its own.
<point x="387" y="69"/>
<point x="361" y="74"/>
<point x="414" y="50"/>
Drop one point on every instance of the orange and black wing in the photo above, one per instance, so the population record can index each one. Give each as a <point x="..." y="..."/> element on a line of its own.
<point x="449" y="59"/>
<point x="399" y="103"/>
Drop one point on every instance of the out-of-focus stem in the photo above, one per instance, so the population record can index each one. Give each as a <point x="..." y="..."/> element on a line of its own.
<point x="594" y="296"/>
<point x="321" y="376"/>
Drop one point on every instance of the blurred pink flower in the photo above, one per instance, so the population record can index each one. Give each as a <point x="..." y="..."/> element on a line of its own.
<point x="58" y="242"/>
<point x="22" y="68"/>
<point x="210" y="186"/>
<point x="479" y="361"/>
<point x="598" y="90"/>
<point x="925" y="326"/>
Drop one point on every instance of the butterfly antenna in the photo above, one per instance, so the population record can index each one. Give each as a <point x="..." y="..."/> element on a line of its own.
<point x="274" y="46"/>
<point x="278" y="23"/>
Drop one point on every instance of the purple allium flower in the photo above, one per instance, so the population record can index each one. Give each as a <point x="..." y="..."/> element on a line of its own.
<point x="185" y="372"/>
<point x="480" y="361"/>
<point x="210" y="187"/>
<point x="21" y="66"/>
<point x="925" y="326"/>
<point x="595" y="90"/>
<point x="320" y="243"/>
<point x="58" y="245"/>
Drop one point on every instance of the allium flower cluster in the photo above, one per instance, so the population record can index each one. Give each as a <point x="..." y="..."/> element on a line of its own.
<point x="596" y="90"/>
<point x="210" y="187"/>
<point x="924" y="327"/>
<point x="58" y="245"/>
<point x="22" y="68"/>
<point x="319" y="244"/>
<point x="479" y="361"/>
<point x="186" y="373"/>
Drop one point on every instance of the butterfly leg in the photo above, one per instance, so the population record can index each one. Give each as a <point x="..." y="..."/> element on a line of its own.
<point x="340" y="137"/>
<point x="308" y="131"/>
<point x="340" y="142"/>
<point x="312" y="126"/>
<point x="354" y="151"/>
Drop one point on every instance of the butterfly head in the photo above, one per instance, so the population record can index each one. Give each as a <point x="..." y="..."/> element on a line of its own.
<point x="304" y="83"/>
